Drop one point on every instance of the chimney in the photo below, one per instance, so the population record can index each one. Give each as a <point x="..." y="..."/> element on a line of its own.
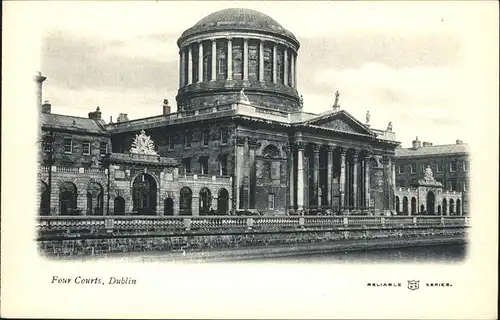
<point x="46" y="107"/>
<point x="122" y="117"/>
<point x="39" y="87"/>
<point x="459" y="142"/>
<point x="166" y="107"/>
<point x="96" y="115"/>
<point x="426" y="144"/>
<point x="110" y="119"/>
<point x="416" y="143"/>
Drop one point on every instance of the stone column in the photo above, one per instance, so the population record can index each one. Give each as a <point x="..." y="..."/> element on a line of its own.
<point x="393" y="183"/>
<point x="291" y="176"/>
<point x="285" y="66"/>
<point x="295" y="70"/>
<point x="252" y="145"/>
<point x="300" y="175"/>
<point x="315" y="150"/>
<point x="214" y="60"/>
<point x="261" y="61"/>
<point x="245" y="59"/>
<point x="229" y="59"/>
<point x="355" y="169"/>
<point x="190" y="65"/>
<point x="329" y="182"/>
<point x="240" y="153"/>
<point x="292" y="69"/>
<point x="367" y="179"/>
<point x="275" y="58"/>
<point x="342" y="178"/>
<point x="200" y="61"/>
<point x="181" y="68"/>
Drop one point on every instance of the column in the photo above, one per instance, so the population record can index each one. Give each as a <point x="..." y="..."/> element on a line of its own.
<point x="182" y="79"/>
<point x="295" y="70"/>
<point x="315" y="150"/>
<point x="300" y="175"/>
<point x="392" y="187"/>
<point x="245" y="59"/>
<point x="229" y="59"/>
<point x="252" y="145"/>
<point x="261" y="61"/>
<point x="190" y="65"/>
<point x="291" y="176"/>
<point x="240" y="143"/>
<point x="200" y="61"/>
<point x="275" y="53"/>
<point x="355" y="167"/>
<point x="342" y="178"/>
<point x="367" y="179"/>
<point x="329" y="182"/>
<point x="292" y="69"/>
<point x="285" y="66"/>
<point x="214" y="59"/>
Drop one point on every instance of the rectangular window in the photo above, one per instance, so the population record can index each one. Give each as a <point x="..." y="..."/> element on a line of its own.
<point x="423" y="168"/>
<point x="271" y="201"/>
<point x="453" y="166"/>
<point x="224" y="135"/>
<point x="103" y="148"/>
<point x="401" y="168"/>
<point x="68" y="145"/>
<point x="453" y="185"/>
<point x="187" y="139"/>
<point x="223" y="165"/>
<point x="438" y="167"/>
<point x="186" y="164"/>
<point x="204" y="165"/>
<point x="466" y="166"/>
<point x="205" y="137"/>
<point x="413" y="167"/>
<point x="465" y="185"/>
<point x="222" y="65"/>
<point x="86" y="147"/>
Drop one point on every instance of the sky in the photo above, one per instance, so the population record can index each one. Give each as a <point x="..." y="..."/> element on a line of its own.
<point x="412" y="64"/>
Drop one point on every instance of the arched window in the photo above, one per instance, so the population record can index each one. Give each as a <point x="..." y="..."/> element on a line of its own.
<point x="422" y="208"/>
<point x="144" y="193"/>
<point x="119" y="206"/>
<point x="459" y="209"/>
<point x="398" y="210"/>
<point x="185" y="202"/>
<point x="413" y="205"/>
<point x="271" y="151"/>
<point x="95" y="199"/>
<point x="445" y="206"/>
<point x="439" y="210"/>
<point x="205" y="201"/>
<point x="44" y="199"/>
<point x="168" y="208"/>
<point x="223" y="201"/>
<point x="405" y="205"/>
<point x="67" y="199"/>
<point x="452" y="207"/>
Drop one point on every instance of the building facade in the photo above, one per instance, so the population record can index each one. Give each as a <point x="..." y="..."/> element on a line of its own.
<point x="449" y="164"/>
<point x="239" y="142"/>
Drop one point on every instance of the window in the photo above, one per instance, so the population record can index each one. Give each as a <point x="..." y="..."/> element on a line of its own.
<point x="413" y="167"/>
<point x="223" y="135"/>
<point x="186" y="164"/>
<point x="271" y="201"/>
<point x="438" y="167"/>
<point x="465" y="165"/>
<point x="86" y="147"/>
<point x="266" y="171"/>
<point x="222" y="65"/>
<point x="453" y="166"/>
<point x="401" y="168"/>
<point x="47" y="146"/>
<point x="170" y="142"/>
<point x="465" y="186"/>
<point x="423" y="168"/>
<point x="453" y="185"/>
<point x="205" y="137"/>
<point x="223" y="165"/>
<point x="187" y="139"/>
<point x="68" y="145"/>
<point x="103" y="148"/>
<point x="204" y="165"/>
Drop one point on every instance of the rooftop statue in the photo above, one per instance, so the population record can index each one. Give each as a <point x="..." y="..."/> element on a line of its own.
<point x="367" y="117"/>
<point x="143" y="144"/>
<point x="336" y="103"/>
<point x="243" y="97"/>
<point x="428" y="174"/>
<point x="301" y="101"/>
<point x="389" y="126"/>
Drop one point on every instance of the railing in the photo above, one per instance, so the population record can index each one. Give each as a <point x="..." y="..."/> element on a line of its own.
<point x="121" y="224"/>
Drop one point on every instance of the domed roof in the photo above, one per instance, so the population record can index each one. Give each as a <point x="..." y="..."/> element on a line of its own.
<point x="238" y="19"/>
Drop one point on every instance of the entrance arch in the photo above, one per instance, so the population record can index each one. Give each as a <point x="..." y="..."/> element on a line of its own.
<point x="431" y="199"/>
<point x="185" y="202"/>
<point x="422" y="209"/>
<point x="223" y="201"/>
<point x="413" y="205"/>
<point x="459" y="209"/>
<point x="168" y="207"/>
<point x="67" y="198"/>
<point x="95" y="199"/>
<point x="205" y="201"/>
<point x="119" y="206"/>
<point x="439" y="209"/>
<point x="405" y="205"/>
<point x="144" y="193"/>
<point x="44" y="199"/>
<point x="452" y="208"/>
<point x="398" y="210"/>
<point x="445" y="206"/>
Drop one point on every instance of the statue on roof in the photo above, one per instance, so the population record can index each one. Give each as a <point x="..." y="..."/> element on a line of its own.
<point x="143" y="144"/>
<point x="368" y="117"/>
<point x="428" y="174"/>
<point x="336" y="103"/>
<point x="243" y="97"/>
<point x="301" y="101"/>
<point x="389" y="127"/>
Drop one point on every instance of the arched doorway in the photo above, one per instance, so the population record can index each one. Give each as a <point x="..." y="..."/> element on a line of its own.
<point x="168" y="207"/>
<point x="223" y="201"/>
<point x="459" y="209"/>
<point x="119" y="206"/>
<point x="439" y="209"/>
<point x="144" y="192"/>
<point x="445" y="206"/>
<point x="44" y="199"/>
<point x="422" y="209"/>
<point x="398" y="210"/>
<point x="413" y="205"/>
<point x="430" y="202"/>
<point x="185" y="202"/>
<point x="95" y="199"/>
<point x="67" y="199"/>
<point x="452" y="207"/>
<point x="405" y="205"/>
<point x="205" y="201"/>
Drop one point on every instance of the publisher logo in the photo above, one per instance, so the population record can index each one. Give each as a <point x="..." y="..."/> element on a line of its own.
<point x="413" y="284"/>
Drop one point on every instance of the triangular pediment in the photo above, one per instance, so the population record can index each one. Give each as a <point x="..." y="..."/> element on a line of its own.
<point x="340" y="121"/>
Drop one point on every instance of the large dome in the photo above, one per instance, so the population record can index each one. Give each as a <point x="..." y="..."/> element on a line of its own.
<point x="238" y="19"/>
